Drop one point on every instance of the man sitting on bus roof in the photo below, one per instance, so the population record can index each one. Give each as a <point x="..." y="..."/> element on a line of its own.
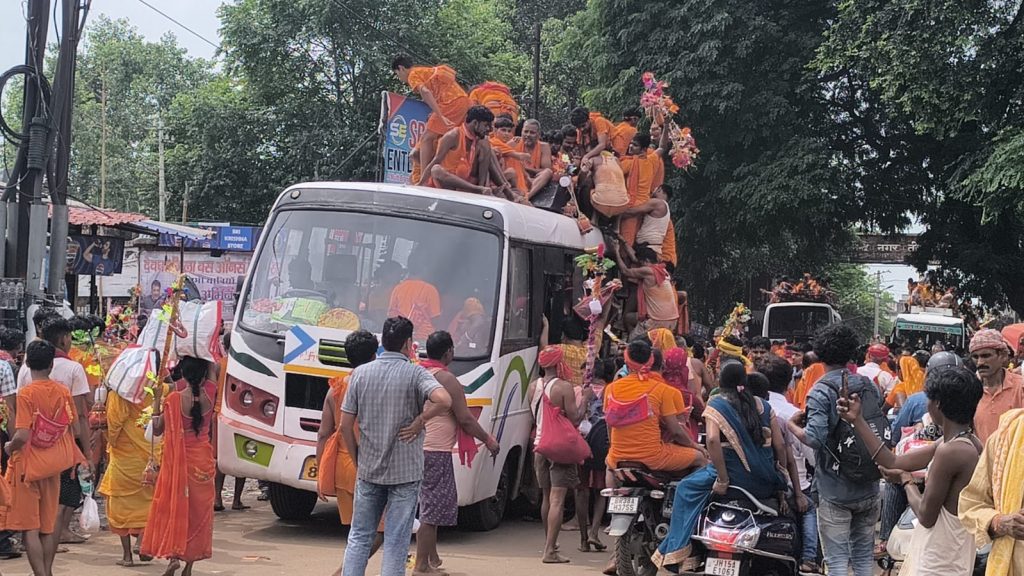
<point x="538" y="167"/>
<point x="465" y="161"/>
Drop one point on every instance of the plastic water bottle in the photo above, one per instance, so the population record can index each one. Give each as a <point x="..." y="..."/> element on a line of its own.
<point x="85" y="480"/>
<point x="5" y="294"/>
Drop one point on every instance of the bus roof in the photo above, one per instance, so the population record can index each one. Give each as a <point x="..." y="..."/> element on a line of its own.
<point x="929" y="319"/>
<point x="521" y="222"/>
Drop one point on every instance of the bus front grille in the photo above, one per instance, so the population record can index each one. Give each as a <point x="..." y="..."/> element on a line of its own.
<point x="304" y="391"/>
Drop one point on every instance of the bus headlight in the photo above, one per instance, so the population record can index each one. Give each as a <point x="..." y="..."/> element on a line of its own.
<point x="269" y="409"/>
<point x="250" y="448"/>
<point x="247" y="398"/>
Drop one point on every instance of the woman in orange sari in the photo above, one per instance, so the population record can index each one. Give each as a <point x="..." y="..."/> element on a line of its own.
<point x="181" y="517"/>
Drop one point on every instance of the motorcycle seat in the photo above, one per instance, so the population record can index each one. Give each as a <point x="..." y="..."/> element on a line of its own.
<point x="629" y="471"/>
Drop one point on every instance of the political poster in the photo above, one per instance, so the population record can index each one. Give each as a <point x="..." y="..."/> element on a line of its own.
<point x="404" y="120"/>
<point x="94" y="255"/>
<point x="216" y="277"/>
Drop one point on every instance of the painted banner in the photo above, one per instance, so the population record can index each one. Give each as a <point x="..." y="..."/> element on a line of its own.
<point x="404" y="121"/>
<point x="99" y="255"/>
<point x="217" y="278"/>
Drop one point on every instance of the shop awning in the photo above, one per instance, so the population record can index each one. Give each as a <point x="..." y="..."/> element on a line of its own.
<point x="156" y="228"/>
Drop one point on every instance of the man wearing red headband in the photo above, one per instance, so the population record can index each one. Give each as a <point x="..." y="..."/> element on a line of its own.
<point x="555" y="480"/>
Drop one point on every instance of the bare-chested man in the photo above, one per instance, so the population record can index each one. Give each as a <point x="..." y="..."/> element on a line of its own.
<point x="465" y="160"/>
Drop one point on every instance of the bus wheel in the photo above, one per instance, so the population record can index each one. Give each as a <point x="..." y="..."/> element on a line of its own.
<point x="291" y="503"/>
<point x="487" y="514"/>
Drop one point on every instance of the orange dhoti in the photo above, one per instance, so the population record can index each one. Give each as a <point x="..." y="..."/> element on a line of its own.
<point x="455" y="112"/>
<point x="640" y="173"/>
<point x="29" y="505"/>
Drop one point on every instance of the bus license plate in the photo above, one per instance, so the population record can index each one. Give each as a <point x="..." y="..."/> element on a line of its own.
<point x="623" y="505"/>
<point x="309" y="469"/>
<point x="722" y="567"/>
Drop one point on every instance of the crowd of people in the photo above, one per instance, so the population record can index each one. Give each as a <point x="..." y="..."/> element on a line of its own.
<point x="476" y="142"/>
<point x="840" y="431"/>
<point x="151" y="461"/>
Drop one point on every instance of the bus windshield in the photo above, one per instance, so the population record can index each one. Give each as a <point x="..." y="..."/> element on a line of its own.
<point x="799" y="322"/>
<point x="350" y="270"/>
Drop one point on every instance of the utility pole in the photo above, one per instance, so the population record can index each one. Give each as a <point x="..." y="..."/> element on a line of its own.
<point x="878" y="298"/>
<point x="103" y="139"/>
<point x="160" y="150"/>
<point x="184" y="205"/>
<point x="63" y="104"/>
<point x="536" y="69"/>
<point x="29" y="230"/>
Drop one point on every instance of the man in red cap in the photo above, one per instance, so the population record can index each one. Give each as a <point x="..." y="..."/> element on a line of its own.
<point x="1004" y="390"/>
<point x="878" y="354"/>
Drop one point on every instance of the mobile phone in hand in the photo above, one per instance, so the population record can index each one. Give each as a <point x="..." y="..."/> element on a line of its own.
<point x="845" y="390"/>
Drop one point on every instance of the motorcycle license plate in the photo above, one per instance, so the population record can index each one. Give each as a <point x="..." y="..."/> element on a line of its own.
<point x="623" y="504"/>
<point x="722" y="567"/>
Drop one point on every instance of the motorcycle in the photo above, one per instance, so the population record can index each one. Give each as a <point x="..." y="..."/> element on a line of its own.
<point x="743" y="536"/>
<point x="640" y="510"/>
<point x="737" y="534"/>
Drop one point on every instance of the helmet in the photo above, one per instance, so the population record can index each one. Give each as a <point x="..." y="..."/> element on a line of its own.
<point x="940" y="359"/>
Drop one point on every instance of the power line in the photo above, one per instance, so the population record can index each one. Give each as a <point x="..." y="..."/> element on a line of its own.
<point x="194" y="33"/>
<point x="414" y="53"/>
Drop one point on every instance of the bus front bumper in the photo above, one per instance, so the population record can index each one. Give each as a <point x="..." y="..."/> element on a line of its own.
<point x="245" y="451"/>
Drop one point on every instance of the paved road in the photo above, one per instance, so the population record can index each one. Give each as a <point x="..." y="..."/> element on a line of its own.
<point x="254" y="543"/>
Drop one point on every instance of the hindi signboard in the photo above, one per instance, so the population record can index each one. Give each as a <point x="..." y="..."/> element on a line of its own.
<point x="404" y="120"/>
<point x="216" y="277"/>
<point x="881" y="249"/>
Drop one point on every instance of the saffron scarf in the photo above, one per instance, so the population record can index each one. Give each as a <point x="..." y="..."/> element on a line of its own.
<point x="1007" y="487"/>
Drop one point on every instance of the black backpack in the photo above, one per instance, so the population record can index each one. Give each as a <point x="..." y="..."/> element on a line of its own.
<point x="598" y="441"/>
<point x="848" y="456"/>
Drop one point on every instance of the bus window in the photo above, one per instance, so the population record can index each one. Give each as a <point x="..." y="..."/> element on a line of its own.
<point x="517" y="316"/>
<point x="346" y="271"/>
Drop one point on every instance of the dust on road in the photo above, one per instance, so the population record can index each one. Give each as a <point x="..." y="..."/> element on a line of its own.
<point x="255" y="543"/>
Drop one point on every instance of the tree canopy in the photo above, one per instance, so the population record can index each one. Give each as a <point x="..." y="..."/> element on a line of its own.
<point x="814" y="119"/>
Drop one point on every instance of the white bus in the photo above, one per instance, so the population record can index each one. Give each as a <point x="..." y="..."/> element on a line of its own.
<point x="797" y="321"/>
<point x="328" y="259"/>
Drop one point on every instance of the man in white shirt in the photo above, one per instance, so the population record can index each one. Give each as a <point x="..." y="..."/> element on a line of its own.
<point x="57" y="331"/>
<point x="872" y="369"/>
<point x="779" y="373"/>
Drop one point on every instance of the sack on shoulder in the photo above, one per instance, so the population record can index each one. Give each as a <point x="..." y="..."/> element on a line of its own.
<point x="560" y="441"/>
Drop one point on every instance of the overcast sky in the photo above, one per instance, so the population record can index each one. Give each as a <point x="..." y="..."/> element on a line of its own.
<point x="199" y="15"/>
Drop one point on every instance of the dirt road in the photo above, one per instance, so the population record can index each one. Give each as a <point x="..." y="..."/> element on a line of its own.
<point x="254" y="543"/>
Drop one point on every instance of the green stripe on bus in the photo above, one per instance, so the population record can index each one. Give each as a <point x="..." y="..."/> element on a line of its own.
<point x="250" y="362"/>
<point x="480" y="381"/>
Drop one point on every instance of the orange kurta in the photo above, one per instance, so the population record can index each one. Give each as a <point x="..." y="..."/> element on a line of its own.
<point x="668" y="247"/>
<point x="621" y="137"/>
<point x="598" y="125"/>
<point x="659" y="172"/>
<point x="497" y="98"/>
<point x="812" y="374"/>
<point x="181" y="516"/>
<point x="506" y="153"/>
<point x="450" y="97"/>
<point x="639" y="172"/>
<point x="642" y="441"/>
<point x="418" y="301"/>
<point x="33" y="505"/>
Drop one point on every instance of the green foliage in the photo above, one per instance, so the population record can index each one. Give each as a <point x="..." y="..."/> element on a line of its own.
<point x="855" y="292"/>
<point x="945" y="117"/>
<point x="765" y="197"/>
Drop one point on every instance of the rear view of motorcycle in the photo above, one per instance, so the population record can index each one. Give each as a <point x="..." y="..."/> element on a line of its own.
<point x="640" y="510"/>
